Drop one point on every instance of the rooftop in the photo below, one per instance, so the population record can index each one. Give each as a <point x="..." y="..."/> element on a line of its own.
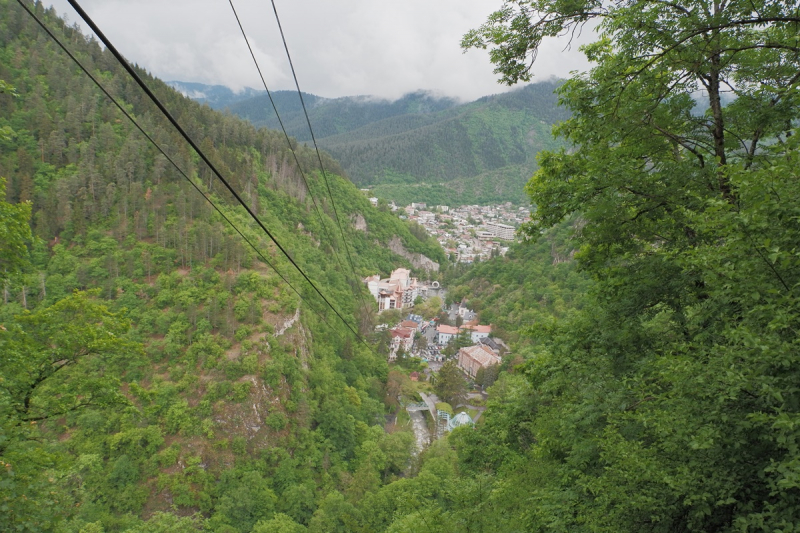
<point x="483" y="355"/>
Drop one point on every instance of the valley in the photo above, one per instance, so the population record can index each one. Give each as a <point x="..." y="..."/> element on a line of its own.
<point x="421" y="147"/>
<point x="571" y="307"/>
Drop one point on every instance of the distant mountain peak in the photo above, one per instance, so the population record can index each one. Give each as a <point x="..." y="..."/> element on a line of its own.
<point x="485" y="149"/>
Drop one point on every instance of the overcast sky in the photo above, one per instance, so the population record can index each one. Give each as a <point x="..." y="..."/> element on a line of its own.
<point x="339" y="48"/>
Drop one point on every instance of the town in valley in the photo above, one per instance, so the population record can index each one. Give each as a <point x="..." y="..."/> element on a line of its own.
<point x="467" y="233"/>
<point x="424" y="332"/>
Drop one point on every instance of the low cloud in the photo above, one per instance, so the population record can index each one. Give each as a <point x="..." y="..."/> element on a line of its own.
<point x="343" y="48"/>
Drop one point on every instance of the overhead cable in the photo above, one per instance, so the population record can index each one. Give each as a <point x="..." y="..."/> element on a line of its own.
<point x="314" y="140"/>
<point x="289" y="142"/>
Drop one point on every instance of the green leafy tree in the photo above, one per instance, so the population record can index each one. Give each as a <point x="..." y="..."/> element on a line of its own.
<point x="450" y="385"/>
<point x="429" y="308"/>
<point x="651" y="405"/>
<point x="15" y="234"/>
<point x="280" y="523"/>
<point x="54" y="363"/>
<point x="334" y="515"/>
<point x="651" y="57"/>
<point x="297" y="502"/>
<point x="6" y="133"/>
<point x="486" y="376"/>
<point x="245" y="499"/>
<point x="169" y="523"/>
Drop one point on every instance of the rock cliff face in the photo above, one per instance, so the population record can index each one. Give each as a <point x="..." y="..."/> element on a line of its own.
<point x="417" y="260"/>
<point x="359" y="222"/>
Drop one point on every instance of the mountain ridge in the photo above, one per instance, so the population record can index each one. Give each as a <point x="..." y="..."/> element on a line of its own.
<point x="422" y="140"/>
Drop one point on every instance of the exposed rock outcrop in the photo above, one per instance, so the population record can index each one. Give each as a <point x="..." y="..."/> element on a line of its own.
<point x="419" y="261"/>
<point x="359" y="222"/>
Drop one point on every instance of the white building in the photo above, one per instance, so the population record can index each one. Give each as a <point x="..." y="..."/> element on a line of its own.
<point x="401" y="338"/>
<point x="478" y="332"/>
<point x="444" y="333"/>
<point x="397" y="291"/>
<point x="501" y="231"/>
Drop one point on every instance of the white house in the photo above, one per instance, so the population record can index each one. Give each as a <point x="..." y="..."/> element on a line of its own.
<point x="478" y="332"/>
<point x="445" y="333"/>
<point x="401" y="338"/>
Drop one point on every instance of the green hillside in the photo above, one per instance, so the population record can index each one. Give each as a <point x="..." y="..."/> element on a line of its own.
<point x="157" y="374"/>
<point x="534" y="284"/>
<point x="486" y="135"/>
<point x="406" y="150"/>
<point x="506" y="184"/>
<point x="332" y="116"/>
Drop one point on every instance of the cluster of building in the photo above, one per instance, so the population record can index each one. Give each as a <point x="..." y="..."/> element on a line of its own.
<point x="467" y="233"/>
<point x="402" y="336"/>
<point x="399" y="290"/>
<point x="439" y="336"/>
<point x="472" y="232"/>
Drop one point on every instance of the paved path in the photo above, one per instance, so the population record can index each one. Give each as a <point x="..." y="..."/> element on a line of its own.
<point x="431" y="400"/>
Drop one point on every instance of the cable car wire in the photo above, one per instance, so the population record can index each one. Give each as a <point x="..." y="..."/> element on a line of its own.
<point x="314" y="140"/>
<point x="294" y="154"/>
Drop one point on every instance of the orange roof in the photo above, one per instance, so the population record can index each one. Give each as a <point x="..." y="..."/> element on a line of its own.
<point x="452" y="330"/>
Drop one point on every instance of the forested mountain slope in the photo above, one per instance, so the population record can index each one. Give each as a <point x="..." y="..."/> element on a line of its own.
<point x="332" y="116"/>
<point x="216" y="96"/>
<point x="532" y="285"/>
<point x="484" y="150"/>
<point x="184" y="378"/>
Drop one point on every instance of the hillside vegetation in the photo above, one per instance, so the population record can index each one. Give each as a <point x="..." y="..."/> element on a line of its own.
<point x="534" y="284"/>
<point x="158" y="376"/>
<point x="421" y="148"/>
<point x="153" y="366"/>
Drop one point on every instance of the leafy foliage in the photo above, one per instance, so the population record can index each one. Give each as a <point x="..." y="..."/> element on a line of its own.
<point x="16" y="234"/>
<point x="184" y="385"/>
<point x="665" y="403"/>
<point x="450" y="385"/>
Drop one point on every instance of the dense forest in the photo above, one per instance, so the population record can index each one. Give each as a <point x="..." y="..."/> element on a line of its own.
<point x="159" y="375"/>
<point x="424" y="147"/>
